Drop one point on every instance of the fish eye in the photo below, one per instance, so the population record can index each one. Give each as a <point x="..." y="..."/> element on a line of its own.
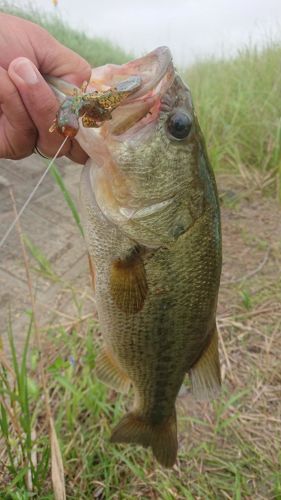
<point x="179" y="124"/>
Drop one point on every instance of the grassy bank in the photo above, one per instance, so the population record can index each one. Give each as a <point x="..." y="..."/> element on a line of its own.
<point x="239" y="109"/>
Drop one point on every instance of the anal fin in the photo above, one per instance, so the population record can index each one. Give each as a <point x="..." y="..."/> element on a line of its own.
<point x="109" y="371"/>
<point x="205" y="374"/>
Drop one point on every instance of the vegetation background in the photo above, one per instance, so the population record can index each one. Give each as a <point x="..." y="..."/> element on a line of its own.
<point x="229" y="448"/>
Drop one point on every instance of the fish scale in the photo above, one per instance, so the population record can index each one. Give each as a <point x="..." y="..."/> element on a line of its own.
<point x="140" y="342"/>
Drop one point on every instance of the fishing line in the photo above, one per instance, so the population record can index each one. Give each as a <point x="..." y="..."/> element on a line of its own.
<point x="11" y="227"/>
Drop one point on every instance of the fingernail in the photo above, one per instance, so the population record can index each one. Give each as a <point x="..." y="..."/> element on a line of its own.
<point x="26" y="71"/>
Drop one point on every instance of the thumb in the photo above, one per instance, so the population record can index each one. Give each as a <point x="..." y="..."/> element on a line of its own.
<point x="40" y="103"/>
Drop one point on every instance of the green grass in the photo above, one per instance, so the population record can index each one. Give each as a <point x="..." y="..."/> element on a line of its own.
<point x="96" y="51"/>
<point x="69" y="201"/>
<point x="19" y="398"/>
<point x="219" y="457"/>
<point x="239" y="108"/>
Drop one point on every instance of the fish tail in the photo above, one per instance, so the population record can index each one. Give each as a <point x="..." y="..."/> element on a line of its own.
<point x="162" y="438"/>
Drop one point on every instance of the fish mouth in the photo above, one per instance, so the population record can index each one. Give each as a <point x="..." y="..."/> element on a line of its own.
<point x="156" y="74"/>
<point x="151" y="68"/>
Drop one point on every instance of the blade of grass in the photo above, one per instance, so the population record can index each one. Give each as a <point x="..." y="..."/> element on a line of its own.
<point x="44" y="264"/>
<point x="59" y="180"/>
<point x="57" y="463"/>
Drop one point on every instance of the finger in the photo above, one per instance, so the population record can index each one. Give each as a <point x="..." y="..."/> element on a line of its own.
<point x="42" y="106"/>
<point x="76" y="153"/>
<point x="57" y="60"/>
<point x="40" y="102"/>
<point x="17" y="131"/>
<point x="35" y="43"/>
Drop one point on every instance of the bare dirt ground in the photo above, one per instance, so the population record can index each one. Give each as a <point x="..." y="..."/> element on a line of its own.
<point x="49" y="225"/>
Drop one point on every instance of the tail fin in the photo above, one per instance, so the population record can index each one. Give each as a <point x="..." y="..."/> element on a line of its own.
<point x="161" y="437"/>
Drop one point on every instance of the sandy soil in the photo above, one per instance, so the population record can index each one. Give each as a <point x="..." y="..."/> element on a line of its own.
<point x="49" y="225"/>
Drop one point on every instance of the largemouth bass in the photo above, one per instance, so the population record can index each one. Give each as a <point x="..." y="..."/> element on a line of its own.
<point x="152" y="222"/>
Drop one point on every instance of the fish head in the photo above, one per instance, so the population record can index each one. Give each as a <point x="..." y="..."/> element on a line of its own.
<point x="146" y="158"/>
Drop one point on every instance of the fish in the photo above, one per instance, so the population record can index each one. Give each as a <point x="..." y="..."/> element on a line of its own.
<point x="151" y="218"/>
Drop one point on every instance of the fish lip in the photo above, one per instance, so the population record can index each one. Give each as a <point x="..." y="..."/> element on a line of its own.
<point x="61" y="88"/>
<point x="157" y="74"/>
<point x="151" y="68"/>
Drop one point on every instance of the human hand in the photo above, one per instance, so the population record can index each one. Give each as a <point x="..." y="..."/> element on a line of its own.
<point x="27" y="104"/>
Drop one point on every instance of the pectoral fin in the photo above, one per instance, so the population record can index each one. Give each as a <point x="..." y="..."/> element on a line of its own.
<point x="205" y="374"/>
<point x="128" y="283"/>
<point x="109" y="371"/>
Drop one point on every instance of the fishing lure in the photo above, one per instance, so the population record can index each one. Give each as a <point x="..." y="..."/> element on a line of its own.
<point x="93" y="107"/>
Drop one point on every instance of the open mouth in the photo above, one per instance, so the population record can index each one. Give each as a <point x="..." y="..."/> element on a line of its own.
<point x="156" y="73"/>
<point x="150" y="76"/>
<point x="151" y="68"/>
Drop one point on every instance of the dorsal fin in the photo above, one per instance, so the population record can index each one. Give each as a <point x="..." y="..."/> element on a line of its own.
<point x="205" y="374"/>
